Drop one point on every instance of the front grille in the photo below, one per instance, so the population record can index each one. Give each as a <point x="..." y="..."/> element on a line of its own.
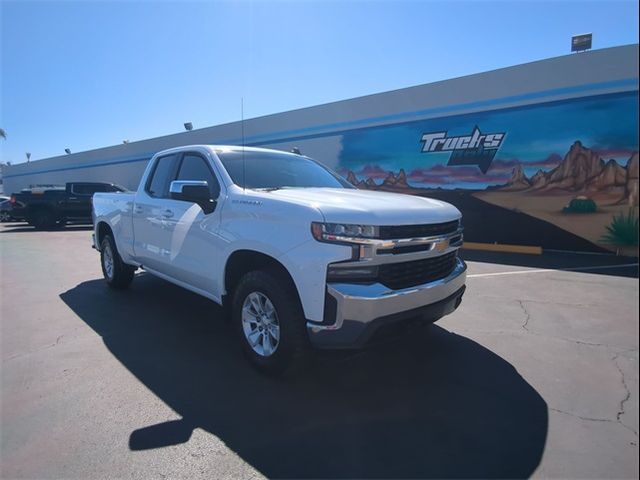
<point x="422" y="247"/>
<point x="389" y="232"/>
<point x="409" y="274"/>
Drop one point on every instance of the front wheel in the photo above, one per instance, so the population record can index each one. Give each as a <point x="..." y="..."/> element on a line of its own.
<point x="269" y="322"/>
<point x="5" y="216"/>
<point x="116" y="273"/>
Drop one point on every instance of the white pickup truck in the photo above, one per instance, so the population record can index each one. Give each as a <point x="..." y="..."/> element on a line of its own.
<point x="302" y="258"/>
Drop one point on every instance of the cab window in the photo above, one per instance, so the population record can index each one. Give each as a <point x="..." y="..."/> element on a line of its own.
<point x="84" y="189"/>
<point x="161" y="176"/>
<point x="91" y="188"/>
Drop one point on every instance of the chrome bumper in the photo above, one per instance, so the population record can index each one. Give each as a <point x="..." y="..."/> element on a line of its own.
<point x="361" y="309"/>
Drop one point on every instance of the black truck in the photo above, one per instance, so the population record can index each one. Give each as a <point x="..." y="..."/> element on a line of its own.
<point x="48" y="207"/>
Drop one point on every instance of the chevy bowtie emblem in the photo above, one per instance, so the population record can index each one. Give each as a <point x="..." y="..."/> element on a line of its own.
<point x="441" y="245"/>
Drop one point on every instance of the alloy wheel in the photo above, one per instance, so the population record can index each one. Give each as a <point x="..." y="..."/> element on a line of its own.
<point x="260" y="324"/>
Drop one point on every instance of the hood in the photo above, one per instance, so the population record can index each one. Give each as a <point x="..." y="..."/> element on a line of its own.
<point x="366" y="207"/>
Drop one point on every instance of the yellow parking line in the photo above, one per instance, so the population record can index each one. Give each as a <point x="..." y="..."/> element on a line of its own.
<point x="501" y="247"/>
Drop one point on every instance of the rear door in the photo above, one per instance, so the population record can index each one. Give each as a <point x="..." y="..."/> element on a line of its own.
<point x="152" y="213"/>
<point x="79" y="197"/>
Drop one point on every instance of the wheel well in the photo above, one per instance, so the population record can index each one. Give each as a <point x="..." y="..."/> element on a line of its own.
<point x="103" y="229"/>
<point x="243" y="261"/>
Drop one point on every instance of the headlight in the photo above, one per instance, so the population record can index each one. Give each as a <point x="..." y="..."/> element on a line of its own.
<point x="341" y="232"/>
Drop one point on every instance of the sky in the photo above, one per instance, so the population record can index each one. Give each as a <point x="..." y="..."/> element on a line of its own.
<point x="84" y="75"/>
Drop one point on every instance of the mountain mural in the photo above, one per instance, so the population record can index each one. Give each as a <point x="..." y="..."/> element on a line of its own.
<point x="540" y="177"/>
<point x="391" y="181"/>
<point x="582" y="170"/>
<point x="518" y="181"/>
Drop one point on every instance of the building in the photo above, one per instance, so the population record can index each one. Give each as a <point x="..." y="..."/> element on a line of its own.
<point x="522" y="151"/>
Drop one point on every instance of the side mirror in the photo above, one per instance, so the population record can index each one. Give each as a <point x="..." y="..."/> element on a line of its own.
<point x="196" y="191"/>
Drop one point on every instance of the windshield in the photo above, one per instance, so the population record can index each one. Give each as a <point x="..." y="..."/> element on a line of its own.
<point x="272" y="170"/>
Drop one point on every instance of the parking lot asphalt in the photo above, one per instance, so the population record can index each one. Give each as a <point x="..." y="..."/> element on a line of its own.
<point x="536" y="374"/>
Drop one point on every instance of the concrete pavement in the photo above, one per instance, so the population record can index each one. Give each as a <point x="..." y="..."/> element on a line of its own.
<point x="535" y="375"/>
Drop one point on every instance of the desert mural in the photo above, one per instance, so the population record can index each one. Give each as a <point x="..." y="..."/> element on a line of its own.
<point x="560" y="175"/>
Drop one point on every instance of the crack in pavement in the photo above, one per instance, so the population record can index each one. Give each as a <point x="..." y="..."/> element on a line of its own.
<point x="619" y="413"/>
<point x="544" y="302"/>
<point x="621" y="409"/>
<point x="36" y="350"/>
<point x="526" y="313"/>
<point x="563" y="339"/>
<point x="587" y="419"/>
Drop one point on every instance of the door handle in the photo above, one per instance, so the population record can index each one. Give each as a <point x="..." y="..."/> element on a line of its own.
<point x="138" y="210"/>
<point x="167" y="214"/>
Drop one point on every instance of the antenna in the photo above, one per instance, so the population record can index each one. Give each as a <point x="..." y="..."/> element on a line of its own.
<point x="244" y="173"/>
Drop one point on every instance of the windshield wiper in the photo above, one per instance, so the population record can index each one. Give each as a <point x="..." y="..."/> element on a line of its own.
<point x="270" y="189"/>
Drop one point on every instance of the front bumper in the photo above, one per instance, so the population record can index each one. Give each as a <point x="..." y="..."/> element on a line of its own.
<point x="361" y="310"/>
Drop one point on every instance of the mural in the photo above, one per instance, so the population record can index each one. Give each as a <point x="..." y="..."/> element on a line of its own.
<point x="560" y="175"/>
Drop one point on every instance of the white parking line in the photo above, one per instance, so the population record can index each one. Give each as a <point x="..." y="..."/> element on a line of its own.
<point x="517" y="272"/>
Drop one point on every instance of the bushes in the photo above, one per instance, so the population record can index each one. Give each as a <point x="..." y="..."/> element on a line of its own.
<point x="623" y="229"/>
<point x="581" y="205"/>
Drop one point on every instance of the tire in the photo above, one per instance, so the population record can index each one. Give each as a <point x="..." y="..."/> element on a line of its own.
<point x="116" y="273"/>
<point x="260" y="292"/>
<point x="43" y="220"/>
<point x="5" y="217"/>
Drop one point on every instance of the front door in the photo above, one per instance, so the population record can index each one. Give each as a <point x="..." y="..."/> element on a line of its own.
<point x="194" y="243"/>
<point x="175" y="237"/>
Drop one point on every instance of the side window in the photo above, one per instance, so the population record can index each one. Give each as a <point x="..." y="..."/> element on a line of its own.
<point x="81" y="189"/>
<point x="195" y="167"/>
<point x="101" y="188"/>
<point x="161" y="176"/>
<point x="88" y="188"/>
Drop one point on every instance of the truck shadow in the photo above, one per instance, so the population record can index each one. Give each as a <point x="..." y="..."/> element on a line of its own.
<point x="433" y="404"/>
<point x="25" y="227"/>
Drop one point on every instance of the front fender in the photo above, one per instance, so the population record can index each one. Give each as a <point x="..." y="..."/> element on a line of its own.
<point x="282" y="231"/>
<point x="307" y="265"/>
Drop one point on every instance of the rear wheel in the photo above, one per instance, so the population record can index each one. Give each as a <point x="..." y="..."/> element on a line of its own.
<point x="116" y="273"/>
<point x="43" y="220"/>
<point x="4" y="216"/>
<point x="269" y="322"/>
